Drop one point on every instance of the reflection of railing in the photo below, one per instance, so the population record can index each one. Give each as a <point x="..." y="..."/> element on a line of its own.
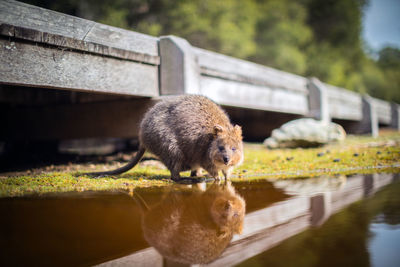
<point x="267" y="227"/>
<point x="317" y="207"/>
<point x="46" y="49"/>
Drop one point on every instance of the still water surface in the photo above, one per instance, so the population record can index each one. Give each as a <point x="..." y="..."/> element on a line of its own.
<point x="345" y="221"/>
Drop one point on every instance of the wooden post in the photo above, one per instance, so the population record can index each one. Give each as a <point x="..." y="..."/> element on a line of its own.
<point x="320" y="208"/>
<point x="395" y="110"/>
<point x="369" y="122"/>
<point x="179" y="70"/>
<point x="318" y="100"/>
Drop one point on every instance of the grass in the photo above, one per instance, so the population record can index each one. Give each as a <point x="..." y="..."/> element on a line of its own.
<point x="354" y="155"/>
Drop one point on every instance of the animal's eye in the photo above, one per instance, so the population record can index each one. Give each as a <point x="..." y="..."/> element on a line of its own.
<point x="233" y="148"/>
<point x="221" y="148"/>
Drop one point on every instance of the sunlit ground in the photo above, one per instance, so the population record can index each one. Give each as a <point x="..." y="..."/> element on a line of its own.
<point x="359" y="154"/>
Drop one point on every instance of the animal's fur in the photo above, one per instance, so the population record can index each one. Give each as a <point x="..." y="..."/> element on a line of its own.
<point x="189" y="132"/>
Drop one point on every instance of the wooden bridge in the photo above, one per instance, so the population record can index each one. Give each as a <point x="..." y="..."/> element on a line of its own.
<point x="63" y="77"/>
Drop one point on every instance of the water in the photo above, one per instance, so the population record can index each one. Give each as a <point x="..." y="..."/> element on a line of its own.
<point x="350" y="221"/>
<point x="384" y="246"/>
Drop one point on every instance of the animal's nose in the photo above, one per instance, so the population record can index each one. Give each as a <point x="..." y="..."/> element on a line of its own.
<point x="226" y="159"/>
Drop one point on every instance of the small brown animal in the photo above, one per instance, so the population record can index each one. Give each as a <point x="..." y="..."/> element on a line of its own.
<point x="188" y="132"/>
<point x="193" y="227"/>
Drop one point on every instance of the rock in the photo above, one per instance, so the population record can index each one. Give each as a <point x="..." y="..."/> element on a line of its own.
<point x="305" y="133"/>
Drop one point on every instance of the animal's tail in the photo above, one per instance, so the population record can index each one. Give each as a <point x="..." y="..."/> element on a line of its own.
<point x="124" y="168"/>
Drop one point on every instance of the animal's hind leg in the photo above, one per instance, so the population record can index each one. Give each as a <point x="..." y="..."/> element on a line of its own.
<point x="173" y="167"/>
<point x="175" y="176"/>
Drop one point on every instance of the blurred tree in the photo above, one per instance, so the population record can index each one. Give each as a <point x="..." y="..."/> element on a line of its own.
<point x="389" y="62"/>
<point x="224" y="26"/>
<point x="336" y="25"/>
<point x="389" y="57"/>
<point x="282" y="34"/>
<point x="326" y="63"/>
<point x="336" y="21"/>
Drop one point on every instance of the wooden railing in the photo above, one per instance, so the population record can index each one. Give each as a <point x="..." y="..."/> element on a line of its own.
<point x="40" y="48"/>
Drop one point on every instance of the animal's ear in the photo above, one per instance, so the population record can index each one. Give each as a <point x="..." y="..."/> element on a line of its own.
<point x="218" y="129"/>
<point x="238" y="131"/>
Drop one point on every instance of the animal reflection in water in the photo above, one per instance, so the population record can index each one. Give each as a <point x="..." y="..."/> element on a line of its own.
<point x="194" y="226"/>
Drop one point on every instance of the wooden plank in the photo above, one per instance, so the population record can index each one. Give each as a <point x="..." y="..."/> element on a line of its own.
<point x="32" y="65"/>
<point x="75" y="44"/>
<point x="145" y="257"/>
<point x="123" y="39"/>
<point x="231" y="93"/>
<point x="40" y="19"/>
<point x="225" y="67"/>
<point x="37" y="24"/>
<point x="383" y="110"/>
<point x="344" y="104"/>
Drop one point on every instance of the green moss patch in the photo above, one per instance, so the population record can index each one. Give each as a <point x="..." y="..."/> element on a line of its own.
<point x="355" y="155"/>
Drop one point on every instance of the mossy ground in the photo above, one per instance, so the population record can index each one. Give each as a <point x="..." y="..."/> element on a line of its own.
<point x="354" y="155"/>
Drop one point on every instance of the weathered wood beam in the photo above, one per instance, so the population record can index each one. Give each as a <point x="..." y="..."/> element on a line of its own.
<point x="383" y="111"/>
<point x="40" y="25"/>
<point x="48" y="67"/>
<point x="229" y="68"/>
<point x="231" y="93"/>
<point x="344" y="104"/>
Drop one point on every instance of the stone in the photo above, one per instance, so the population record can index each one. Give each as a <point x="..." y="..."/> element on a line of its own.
<point x="305" y="132"/>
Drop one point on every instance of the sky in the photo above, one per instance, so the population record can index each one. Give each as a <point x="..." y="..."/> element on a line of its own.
<point x="381" y="24"/>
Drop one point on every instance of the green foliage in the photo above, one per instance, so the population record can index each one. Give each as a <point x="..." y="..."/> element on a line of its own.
<point x="389" y="58"/>
<point x="282" y="34"/>
<point x="326" y="63"/>
<point x="224" y="26"/>
<point x="319" y="38"/>
<point x="336" y="21"/>
<point x="389" y="62"/>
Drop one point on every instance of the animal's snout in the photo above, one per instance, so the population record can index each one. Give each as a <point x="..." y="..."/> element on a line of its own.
<point x="226" y="159"/>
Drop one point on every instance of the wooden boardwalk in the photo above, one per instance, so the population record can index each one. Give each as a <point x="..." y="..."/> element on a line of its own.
<point x="106" y="77"/>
